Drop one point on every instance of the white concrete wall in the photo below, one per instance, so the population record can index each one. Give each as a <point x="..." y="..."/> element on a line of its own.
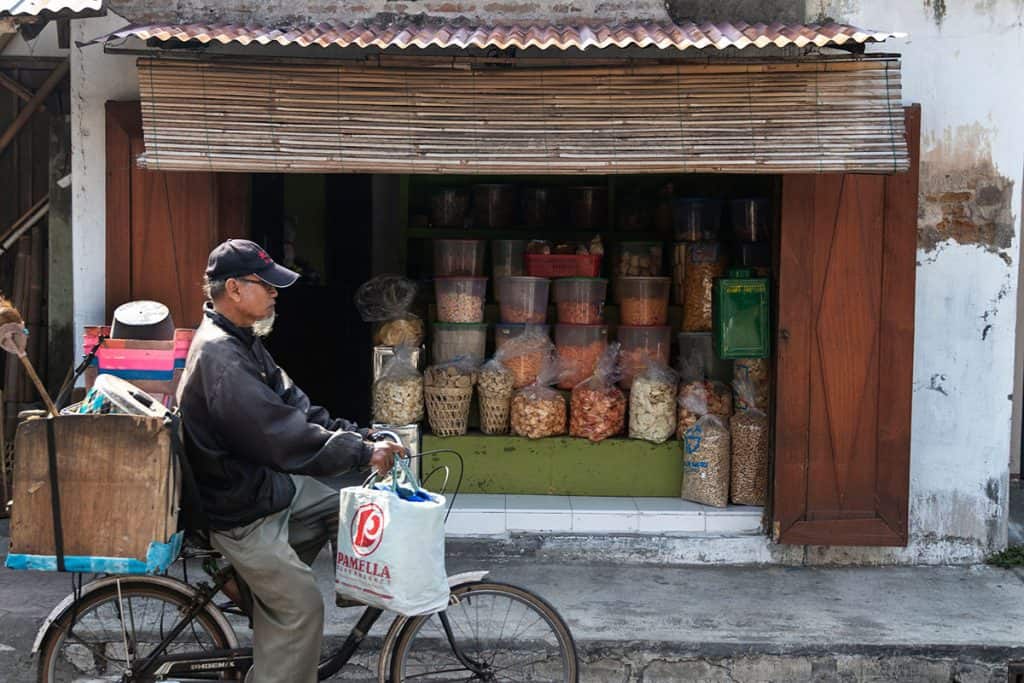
<point x="963" y="67"/>
<point x="43" y="45"/>
<point x="95" y="78"/>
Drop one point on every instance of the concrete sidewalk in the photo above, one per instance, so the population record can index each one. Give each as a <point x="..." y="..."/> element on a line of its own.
<point x="644" y="623"/>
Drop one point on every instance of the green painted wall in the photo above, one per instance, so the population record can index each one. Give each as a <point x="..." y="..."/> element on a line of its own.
<point x="560" y="466"/>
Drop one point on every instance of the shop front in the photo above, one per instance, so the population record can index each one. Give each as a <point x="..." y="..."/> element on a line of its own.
<point x="744" y="228"/>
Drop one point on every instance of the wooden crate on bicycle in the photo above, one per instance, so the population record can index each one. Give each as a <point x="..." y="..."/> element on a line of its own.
<point x="118" y="483"/>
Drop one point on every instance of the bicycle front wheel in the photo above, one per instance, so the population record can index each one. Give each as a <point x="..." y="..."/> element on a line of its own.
<point x="111" y="628"/>
<point x="498" y="633"/>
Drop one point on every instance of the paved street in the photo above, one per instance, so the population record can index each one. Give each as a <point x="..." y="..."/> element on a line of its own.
<point x="647" y="623"/>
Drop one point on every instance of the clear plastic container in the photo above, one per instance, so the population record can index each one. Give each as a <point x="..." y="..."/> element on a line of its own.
<point x="696" y="218"/>
<point x="749" y="219"/>
<point x="522" y="299"/>
<point x="644" y="300"/>
<point x="579" y="347"/>
<point x="580" y="300"/>
<point x="640" y="344"/>
<point x="638" y="259"/>
<point x="458" y="340"/>
<point x="494" y="206"/>
<point x="458" y="258"/>
<point x="448" y="208"/>
<point x="503" y="332"/>
<point x="508" y="257"/>
<point x="588" y="207"/>
<point x="460" y="299"/>
<point x="540" y="207"/>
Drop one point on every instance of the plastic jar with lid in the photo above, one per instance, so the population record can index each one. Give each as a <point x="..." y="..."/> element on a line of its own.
<point x="644" y="300"/>
<point x="508" y="257"/>
<point x="460" y="299"/>
<point x="458" y="258"/>
<point x="696" y="218"/>
<point x="749" y="218"/>
<point x="639" y="345"/>
<point x="503" y="332"/>
<point x="458" y="340"/>
<point x="639" y="259"/>
<point x="522" y="299"/>
<point x="579" y="347"/>
<point x="580" y="300"/>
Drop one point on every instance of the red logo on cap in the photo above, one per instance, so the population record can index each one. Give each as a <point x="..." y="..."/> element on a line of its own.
<point x="264" y="257"/>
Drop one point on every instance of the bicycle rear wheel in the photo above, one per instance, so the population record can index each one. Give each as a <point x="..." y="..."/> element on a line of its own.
<point x="505" y="634"/>
<point x="109" y="629"/>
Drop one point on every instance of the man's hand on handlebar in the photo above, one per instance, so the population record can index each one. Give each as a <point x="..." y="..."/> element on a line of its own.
<point x="384" y="454"/>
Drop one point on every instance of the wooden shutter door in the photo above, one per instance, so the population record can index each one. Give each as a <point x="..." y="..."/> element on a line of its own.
<point x="162" y="225"/>
<point x="845" y="355"/>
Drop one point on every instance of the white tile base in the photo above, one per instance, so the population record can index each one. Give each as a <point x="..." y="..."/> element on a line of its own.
<point x="487" y="515"/>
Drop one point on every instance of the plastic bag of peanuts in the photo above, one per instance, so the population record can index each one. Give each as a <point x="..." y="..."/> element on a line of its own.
<point x="598" y="407"/>
<point x="398" y="392"/>
<point x="538" y="410"/>
<point x="652" y="403"/>
<point x="526" y="355"/>
<point x="749" y="431"/>
<point x="706" y="456"/>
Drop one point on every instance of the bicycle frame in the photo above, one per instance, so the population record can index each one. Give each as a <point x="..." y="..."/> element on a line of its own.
<point x="239" y="660"/>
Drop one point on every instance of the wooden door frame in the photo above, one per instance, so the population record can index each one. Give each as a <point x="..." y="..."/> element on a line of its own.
<point x="231" y="193"/>
<point x="896" y="347"/>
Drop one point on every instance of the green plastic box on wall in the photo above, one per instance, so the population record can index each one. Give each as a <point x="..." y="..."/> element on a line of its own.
<point x="741" y="314"/>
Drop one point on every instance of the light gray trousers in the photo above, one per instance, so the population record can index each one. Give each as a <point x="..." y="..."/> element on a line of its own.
<point x="273" y="556"/>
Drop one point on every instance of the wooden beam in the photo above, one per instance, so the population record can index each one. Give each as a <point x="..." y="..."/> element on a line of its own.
<point x="27" y="220"/>
<point x="18" y="89"/>
<point x="64" y="34"/>
<point x="36" y="63"/>
<point x="55" y="77"/>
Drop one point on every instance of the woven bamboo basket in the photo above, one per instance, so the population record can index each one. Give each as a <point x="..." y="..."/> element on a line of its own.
<point x="494" y="411"/>
<point x="448" y="409"/>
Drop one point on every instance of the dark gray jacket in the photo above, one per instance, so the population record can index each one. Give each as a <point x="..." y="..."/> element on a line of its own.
<point x="247" y="427"/>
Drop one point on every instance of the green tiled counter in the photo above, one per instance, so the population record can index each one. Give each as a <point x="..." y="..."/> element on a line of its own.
<point x="560" y="466"/>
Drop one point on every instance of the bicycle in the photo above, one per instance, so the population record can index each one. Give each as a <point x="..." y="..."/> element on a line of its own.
<point x="159" y="628"/>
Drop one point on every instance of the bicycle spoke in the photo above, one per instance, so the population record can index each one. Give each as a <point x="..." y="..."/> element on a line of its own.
<point x="507" y="633"/>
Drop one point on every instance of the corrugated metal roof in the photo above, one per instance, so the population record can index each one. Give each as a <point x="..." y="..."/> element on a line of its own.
<point x="682" y="36"/>
<point x="35" y="8"/>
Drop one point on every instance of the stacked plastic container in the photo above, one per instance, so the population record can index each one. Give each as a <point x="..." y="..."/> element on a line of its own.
<point x="580" y="335"/>
<point x="461" y="291"/>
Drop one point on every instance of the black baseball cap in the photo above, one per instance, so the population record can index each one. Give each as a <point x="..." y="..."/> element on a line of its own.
<point x="235" y="258"/>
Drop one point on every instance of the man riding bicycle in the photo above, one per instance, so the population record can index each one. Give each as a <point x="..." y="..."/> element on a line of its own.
<point x="263" y="458"/>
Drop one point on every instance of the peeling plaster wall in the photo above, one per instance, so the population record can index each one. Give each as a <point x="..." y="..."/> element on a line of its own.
<point x="95" y="79"/>
<point x="958" y="63"/>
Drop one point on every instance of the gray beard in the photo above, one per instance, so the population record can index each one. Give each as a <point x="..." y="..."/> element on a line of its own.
<point x="263" y="328"/>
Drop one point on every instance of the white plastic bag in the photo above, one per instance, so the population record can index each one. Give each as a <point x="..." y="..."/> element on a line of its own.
<point x="391" y="546"/>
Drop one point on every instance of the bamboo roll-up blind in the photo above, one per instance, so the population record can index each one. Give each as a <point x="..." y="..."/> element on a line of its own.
<point x="809" y="116"/>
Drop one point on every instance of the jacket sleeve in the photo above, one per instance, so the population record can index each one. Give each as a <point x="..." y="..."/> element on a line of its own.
<point x="296" y="397"/>
<point x="252" y="420"/>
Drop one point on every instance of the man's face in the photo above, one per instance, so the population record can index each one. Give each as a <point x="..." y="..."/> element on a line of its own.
<point x="252" y="298"/>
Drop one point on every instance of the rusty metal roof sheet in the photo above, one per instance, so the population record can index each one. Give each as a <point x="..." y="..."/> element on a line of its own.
<point x="35" y="8"/>
<point x="403" y="35"/>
